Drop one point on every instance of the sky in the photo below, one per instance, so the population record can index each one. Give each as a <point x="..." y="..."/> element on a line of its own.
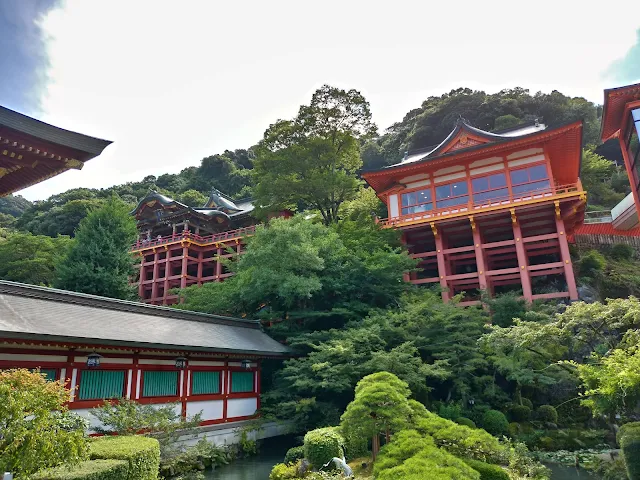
<point x="170" y="82"/>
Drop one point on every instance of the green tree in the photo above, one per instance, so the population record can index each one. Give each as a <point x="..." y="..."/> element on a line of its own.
<point x="99" y="262"/>
<point x="28" y="258"/>
<point x="37" y="429"/>
<point x="192" y="198"/>
<point x="380" y="406"/>
<point x="597" y="175"/>
<point x="311" y="161"/>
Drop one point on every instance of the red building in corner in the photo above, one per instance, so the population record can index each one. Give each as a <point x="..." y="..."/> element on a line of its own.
<point x="490" y="211"/>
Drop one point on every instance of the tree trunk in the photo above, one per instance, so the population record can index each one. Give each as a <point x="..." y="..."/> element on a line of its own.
<point x="375" y="446"/>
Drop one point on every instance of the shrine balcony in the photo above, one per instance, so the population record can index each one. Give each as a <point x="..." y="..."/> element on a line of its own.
<point x="193" y="239"/>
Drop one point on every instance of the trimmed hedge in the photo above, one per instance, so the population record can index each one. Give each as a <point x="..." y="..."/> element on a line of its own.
<point x="494" y="422"/>
<point x="294" y="454"/>
<point x="520" y="413"/>
<point x="142" y="454"/>
<point x="629" y="436"/>
<point x="547" y="413"/>
<point x="526" y="402"/>
<point x="322" y="444"/>
<point x="487" y="471"/>
<point x="89" y="470"/>
<point x="467" y="422"/>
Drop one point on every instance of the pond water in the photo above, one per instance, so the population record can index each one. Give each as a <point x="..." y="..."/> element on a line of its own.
<point x="258" y="467"/>
<point x="562" y="472"/>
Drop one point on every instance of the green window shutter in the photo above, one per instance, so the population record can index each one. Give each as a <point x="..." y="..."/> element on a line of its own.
<point x="205" y="382"/>
<point x="101" y="384"/>
<point x="241" y="382"/>
<point x="160" y="384"/>
<point x="49" y="373"/>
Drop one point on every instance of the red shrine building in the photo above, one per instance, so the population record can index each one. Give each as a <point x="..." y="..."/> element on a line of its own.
<point x="180" y="246"/>
<point x="107" y="349"/>
<point x="489" y="212"/>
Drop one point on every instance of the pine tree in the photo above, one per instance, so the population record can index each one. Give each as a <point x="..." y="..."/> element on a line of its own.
<point x="99" y="262"/>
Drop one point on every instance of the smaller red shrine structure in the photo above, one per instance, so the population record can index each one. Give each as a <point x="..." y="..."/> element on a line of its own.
<point x="32" y="151"/>
<point x="487" y="211"/>
<point x="181" y="246"/>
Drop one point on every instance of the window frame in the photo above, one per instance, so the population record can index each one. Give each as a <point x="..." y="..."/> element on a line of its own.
<point x="80" y="374"/>
<point x="428" y="188"/>
<point x="487" y="175"/>
<point x="464" y="181"/>
<point x="252" y="392"/>
<point x="634" y="160"/>
<point x="221" y="378"/>
<point x="142" y="372"/>
<point x="513" y="185"/>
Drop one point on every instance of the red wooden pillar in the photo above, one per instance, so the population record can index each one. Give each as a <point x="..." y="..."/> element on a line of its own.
<point x="185" y="264"/>
<point x="218" y="264"/>
<point x="630" y="173"/>
<point x="523" y="263"/>
<point x="183" y="398"/>
<point x="566" y="259"/>
<point x="154" y="284"/>
<point x="238" y="246"/>
<point x="200" y="265"/>
<point x="141" y="281"/>
<point x="442" y="265"/>
<point x="480" y="263"/>
<point x="135" y="373"/>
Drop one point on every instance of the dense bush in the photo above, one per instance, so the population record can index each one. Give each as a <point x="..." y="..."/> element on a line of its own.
<point x="630" y="445"/>
<point x="87" y="470"/>
<point x="450" y="411"/>
<point x="547" y="413"/>
<point x="487" y="471"/>
<point x="284" y="471"/>
<point x="142" y="454"/>
<point x="495" y="422"/>
<point x="411" y="454"/>
<point x="294" y="454"/>
<point x="591" y="263"/>
<point x="520" y="413"/>
<point x="467" y="422"/>
<point x="620" y="251"/>
<point x="322" y="444"/>
<point x="526" y="402"/>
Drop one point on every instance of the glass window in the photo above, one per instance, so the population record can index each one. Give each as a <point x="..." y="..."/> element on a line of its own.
<point x="205" y="382"/>
<point x="452" y="194"/>
<point x="418" y="201"/>
<point x="491" y="186"/>
<point x="160" y="384"/>
<point x="101" y="384"/>
<point x="635" y="114"/>
<point x="241" y="382"/>
<point x="529" y="179"/>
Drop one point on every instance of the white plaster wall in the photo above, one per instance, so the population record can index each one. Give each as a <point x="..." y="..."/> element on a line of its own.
<point x="17" y="357"/>
<point x="525" y="161"/>
<point x="241" y="407"/>
<point x="524" y="153"/>
<point x="93" y="421"/>
<point x="229" y="433"/>
<point x="393" y="205"/>
<point x="211" y="409"/>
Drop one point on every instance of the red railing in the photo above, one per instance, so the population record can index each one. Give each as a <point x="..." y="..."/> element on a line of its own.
<point x="472" y="207"/>
<point x="208" y="239"/>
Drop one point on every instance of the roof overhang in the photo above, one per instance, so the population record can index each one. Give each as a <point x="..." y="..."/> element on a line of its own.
<point x="615" y="104"/>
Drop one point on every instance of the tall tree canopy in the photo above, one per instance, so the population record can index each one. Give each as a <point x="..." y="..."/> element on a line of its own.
<point x="312" y="160"/>
<point x="99" y="262"/>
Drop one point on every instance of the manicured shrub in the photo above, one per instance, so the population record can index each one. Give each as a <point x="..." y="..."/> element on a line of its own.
<point x="88" y="470"/>
<point x="514" y="429"/>
<point x="526" y="402"/>
<point x="142" y="453"/>
<point x="449" y="411"/>
<point x="322" y="444"/>
<point x="283" y="471"/>
<point x="547" y="413"/>
<point x="620" y="251"/>
<point x="487" y="471"/>
<point x="629" y="438"/>
<point x="294" y="454"/>
<point x="495" y="422"/>
<point x="520" y="413"/>
<point x="591" y="263"/>
<point x="467" y="422"/>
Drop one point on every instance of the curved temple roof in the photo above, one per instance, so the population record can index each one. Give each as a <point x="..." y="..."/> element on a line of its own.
<point x="615" y="102"/>
<point x="39" y="313"/>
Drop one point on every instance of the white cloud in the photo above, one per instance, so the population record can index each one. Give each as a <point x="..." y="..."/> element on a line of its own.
<point x="171" y="82"/>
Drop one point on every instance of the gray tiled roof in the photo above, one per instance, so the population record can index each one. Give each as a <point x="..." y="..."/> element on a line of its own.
<point x="44" y="313"/>
<point x="22" y="123"/>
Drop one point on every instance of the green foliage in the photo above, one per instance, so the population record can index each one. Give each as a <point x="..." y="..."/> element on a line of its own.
<point x="128" y="417"/>
<point x="520" y="413"/>
<point x="294" y="454"/>
<point x="322" y="444"/>
<point x="247" y="445"/>
<point x="312" y="160"/>
<point x="591" y="263"/>
<point x="34" y="424"/>
<point x="504" y="308"/>
<point x="99" y="262"/>
<point x="284" y="471"/>
<point x="191" y="461"/>
<point x="526" y="402"/>
<point x="630" y="445"/>
<point x="547" y="413"/>
<point x="597" y="175"/>
<point x="450" y="410"/>
<point x="621" y="251"/>
<point x="141" y="453"/>
<point x="410" y="455"/>
<point x="487" y="471"/>
<point x="28" y="258"/>
<point x="87" y="470"/>
<point x="467" y="422"/>
<point x="13" y="205"/>
<point x="192" y="198"/>
<point x="495" y="422"/>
